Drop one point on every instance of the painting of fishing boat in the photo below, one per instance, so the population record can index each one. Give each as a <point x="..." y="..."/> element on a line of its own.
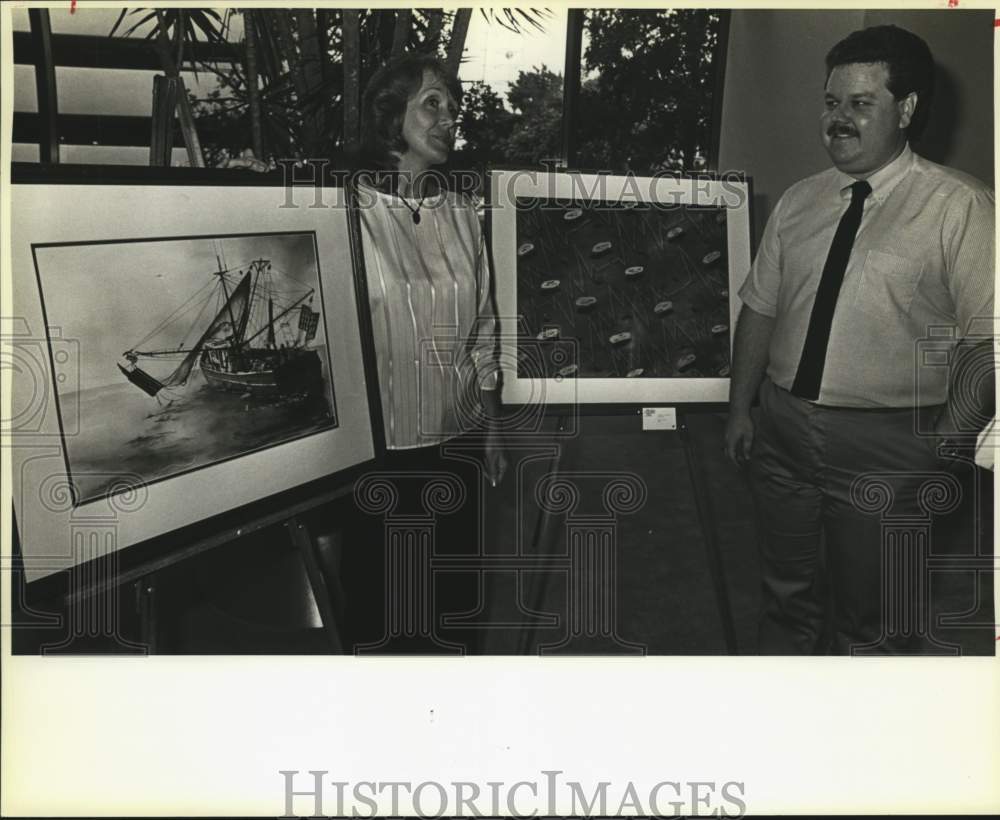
<point x="239" y="355"/>
<point x="193" y="351"/>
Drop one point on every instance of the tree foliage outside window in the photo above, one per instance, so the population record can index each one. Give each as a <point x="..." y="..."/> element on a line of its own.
<point x="298" y="56"/>
<point x="645" y="101"/>
<point x="650" y="104"/>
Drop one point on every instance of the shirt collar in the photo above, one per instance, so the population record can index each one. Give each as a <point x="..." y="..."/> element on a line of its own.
<point x="884" y="179"/>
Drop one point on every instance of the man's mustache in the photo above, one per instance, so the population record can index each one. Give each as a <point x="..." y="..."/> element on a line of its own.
<point x="841" y="130"/>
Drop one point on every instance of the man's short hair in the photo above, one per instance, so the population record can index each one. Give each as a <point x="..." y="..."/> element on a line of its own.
<point x="907" y="57"/>
<point x="383" y="105"/>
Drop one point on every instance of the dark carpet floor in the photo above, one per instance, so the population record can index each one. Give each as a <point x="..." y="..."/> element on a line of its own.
<point x="650" y="590"/>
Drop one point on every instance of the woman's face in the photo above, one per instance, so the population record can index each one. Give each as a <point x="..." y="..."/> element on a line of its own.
<point x="429" y="125"/>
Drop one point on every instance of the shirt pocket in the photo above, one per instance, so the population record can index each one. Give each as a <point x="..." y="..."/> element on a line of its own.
<point x="888" y="284"/>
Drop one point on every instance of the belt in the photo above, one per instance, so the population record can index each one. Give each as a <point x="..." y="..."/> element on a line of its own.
<point x="852" y="408"/>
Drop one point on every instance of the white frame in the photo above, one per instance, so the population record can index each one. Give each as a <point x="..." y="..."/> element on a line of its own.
<point x="508" y="185"/>
<point x="49" y="526"/>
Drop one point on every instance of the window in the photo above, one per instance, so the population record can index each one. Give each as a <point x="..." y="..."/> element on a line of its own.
<point x="647" y="92"/>
<point x="512" y="78"/>
<point x="646" y="98"/>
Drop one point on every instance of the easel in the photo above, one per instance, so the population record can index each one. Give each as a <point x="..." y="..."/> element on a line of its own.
<point x="545" y="527"/>
<point x="93" y="587"/>
<point x="328" y="597"/>
<point x="703" y="503"/>
<point x="88" y="590"/>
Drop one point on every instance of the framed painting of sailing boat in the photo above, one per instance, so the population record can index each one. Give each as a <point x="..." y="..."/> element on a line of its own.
<point x="198" y="349"/>
<point x="617" y="289"/>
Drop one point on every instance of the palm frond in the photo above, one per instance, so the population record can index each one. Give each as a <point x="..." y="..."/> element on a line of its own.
<point x="517" y="20"/>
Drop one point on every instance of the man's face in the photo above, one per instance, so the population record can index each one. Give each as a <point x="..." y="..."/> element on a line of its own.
<point x="863" y="126"/>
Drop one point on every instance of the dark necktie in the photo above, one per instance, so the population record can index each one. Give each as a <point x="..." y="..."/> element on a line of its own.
<point x="810" y="372"/>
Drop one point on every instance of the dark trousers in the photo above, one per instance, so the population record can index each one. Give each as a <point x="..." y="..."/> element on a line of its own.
<point x="412" y="546"/>
<point x="821" y="530"/>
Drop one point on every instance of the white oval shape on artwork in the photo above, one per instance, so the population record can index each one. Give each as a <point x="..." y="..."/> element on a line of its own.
<point x="525" y="249"/>
<point x="586" y="301"/>
<point x="600" y="247"/>
<point x="620" y="338"/>
<point x="571" y="214"/>
<point x="565" y="372"/>
<point x="635" y="270"/>
<point x="673" y="233"/>
<point x="548" y="333"/>
<point x="550" y="284"/>
<point x="711" y="258"/>
<point x="686" y="361"/>
<point x="718" y="330"/>
<point x="663" y="307"/>
<point x="724" y="372"/>
<point x="638" y="371"/>
<point x="724" y="293"/>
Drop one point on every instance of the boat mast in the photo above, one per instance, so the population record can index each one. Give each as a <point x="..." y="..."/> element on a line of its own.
<point x="221" y="273"/>
<point x="283" y="313"/>
<point x="270" y="323"/>
<point x="257" y="268"/>
<point x="264" y="267"/>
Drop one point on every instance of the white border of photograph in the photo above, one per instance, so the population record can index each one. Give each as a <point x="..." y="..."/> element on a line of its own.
<point x="82" y="213"/>
<point x="508" y="185"/>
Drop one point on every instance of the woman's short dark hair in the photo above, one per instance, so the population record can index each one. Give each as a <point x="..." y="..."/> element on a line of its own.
<point x="907" y="57"/>
<point x="383" y="105"/>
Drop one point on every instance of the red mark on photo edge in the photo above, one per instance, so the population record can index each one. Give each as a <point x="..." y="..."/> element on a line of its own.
<point x="952" y="3"/>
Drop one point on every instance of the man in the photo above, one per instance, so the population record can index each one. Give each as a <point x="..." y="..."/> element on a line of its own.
<point x="856" y="265"/>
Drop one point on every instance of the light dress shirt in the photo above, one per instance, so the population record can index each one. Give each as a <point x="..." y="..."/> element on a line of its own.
<point x="921" y="270"/>
<point x="432" y="314"/>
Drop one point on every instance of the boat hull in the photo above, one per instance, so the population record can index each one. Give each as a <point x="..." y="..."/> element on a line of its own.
<point x="293" y="373"/>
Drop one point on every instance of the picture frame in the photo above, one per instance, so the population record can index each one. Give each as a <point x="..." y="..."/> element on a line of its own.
<point x="115" y="444"/>
<point x="617" y="289"/>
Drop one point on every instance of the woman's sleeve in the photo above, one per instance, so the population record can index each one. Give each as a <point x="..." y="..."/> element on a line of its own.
<point x="484" y="344"/>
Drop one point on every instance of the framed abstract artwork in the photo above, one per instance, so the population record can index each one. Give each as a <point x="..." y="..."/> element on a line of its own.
<point x="176" y="352"/>
<point x="617" y="289"/>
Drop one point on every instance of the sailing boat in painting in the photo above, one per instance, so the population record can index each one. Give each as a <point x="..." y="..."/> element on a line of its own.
<point x="257" y="344"/>
<point x="235" y="356"/>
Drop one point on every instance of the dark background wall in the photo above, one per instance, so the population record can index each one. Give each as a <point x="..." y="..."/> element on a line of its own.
<point x="774" y="92"/>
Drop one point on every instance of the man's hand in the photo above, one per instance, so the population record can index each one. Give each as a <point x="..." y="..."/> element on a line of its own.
<point x="739" y="438"/>
<point x="750" y="351"/>
<point x="951" y="446"/>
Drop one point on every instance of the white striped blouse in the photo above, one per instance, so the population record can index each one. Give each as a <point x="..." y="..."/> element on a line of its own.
<point x="432" y="315"/>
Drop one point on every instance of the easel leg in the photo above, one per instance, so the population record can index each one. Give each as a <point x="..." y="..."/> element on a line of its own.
<point x="702" y="501"/>
<point x="304" y="543"/>
<point x="145" y="604"/>
<point x="541" y="535"/>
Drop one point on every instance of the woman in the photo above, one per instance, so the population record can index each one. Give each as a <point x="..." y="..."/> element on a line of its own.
<point x="427" y="273"/>
<point x="433" y="327"/>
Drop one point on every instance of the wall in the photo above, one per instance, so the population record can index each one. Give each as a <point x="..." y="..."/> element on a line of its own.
<point x="774" y="91"/>
<point x="960" y="131"/>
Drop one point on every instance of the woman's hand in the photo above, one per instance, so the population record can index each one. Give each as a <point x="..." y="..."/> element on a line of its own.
<point x="496" y="458"/>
